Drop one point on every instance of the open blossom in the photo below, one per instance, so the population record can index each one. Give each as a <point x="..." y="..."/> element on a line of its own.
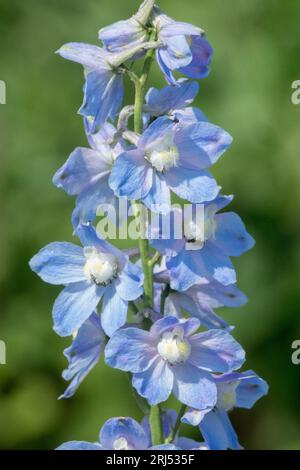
<point x="235" y="390"/>
<point x="86" y="173"/>
<point x="170" y="157"/>
<point x="172" y="357"/>
<point x="204" y="249"/>
<point x="84" y="353"/>
<point x="119" y="434"/>
<point x="96" y="271"/>
<point x="198" y="301"/>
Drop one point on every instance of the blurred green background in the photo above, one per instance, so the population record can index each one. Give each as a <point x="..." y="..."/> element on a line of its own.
<point x="257" y="49"/>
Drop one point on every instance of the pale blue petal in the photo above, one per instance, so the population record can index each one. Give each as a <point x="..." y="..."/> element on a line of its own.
<point x="129" y="429"/>
<point x="194" y="387"/>
<point x="114" y="311"/>
<point x="193" y="185"/>
<point x="79" y="445"/>
<point x="216" y="351"/>
<point x="130" y="350"/>
<point x="59" y="263"/>
<point x="129" y="285"/>
<point x="74" y="306"/>
<point x="231" y="234"/>
<point x="218" y="432"/>
<point x="131" y="175"/>
<point x="155" y="384"/>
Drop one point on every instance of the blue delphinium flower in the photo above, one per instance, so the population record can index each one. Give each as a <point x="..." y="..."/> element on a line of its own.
<point x="235" y="390"/>
<point x="96" y="271"/>
<point x="171" y="357"/>
<point x="170" y="157"/>
<point x="84" y="353"/>
<point x="116" y="434"/>
<point x="86" y="172"/>
<point x="203" y="253"/>
<point x="198" y="301"/>
<point x="184" y="48"/>
<point x="103" y="89"/>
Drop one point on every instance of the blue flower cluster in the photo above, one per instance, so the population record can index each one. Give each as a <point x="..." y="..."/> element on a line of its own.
<point x="151" y="312"/>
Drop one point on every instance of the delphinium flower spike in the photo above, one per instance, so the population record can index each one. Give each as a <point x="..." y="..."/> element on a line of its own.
<point x="150" y="311"/>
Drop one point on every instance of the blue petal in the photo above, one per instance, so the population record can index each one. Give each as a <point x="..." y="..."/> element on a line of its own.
<point x="185" y="443"/>
<point x="185" y="273"/>
<point x="165" y="447"/>
<point x="194" y="417"/>
<point x="218" y="432"/>
<point x="84" y="353"/>
<point x="158" y="199"/>
<point x="59" y="263"/>
<point x="216" y="351"/>
<point x="119" y="35"/>
<point x="250" y="389"/>
<point x="79" y="445"/>
<point x="155" y="384"/>
<point x="165" y="70"/>
<point x="219" y="295"/>
<point x="131" y="176"/>
<point x="83" y="168"/>
<point x="130" y="350"/>
<point x="170" y="98"/>
<point x="176" y="52"/>
<point x="90" y="56"/>
<point x="95" y="198"/>
<point x="163" y="325"/>
<point x="201" y="144"/>
<point x="103" y="96"/>
<point x="129" y="429"/>
<point x="215" y="264"/>
<point x="129" y="285"/>
<point x="231" y="234"/>
<point x="74" y="306"/>
<point x="114" y="311"/>
<point x="202" y="54"/>
<point x="193" y="185"/>
<point x="194" y="387"/>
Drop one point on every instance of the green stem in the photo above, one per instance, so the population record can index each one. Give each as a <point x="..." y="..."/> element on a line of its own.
<point x="156" y="425"/>
<point x="164" y="296"/>
<point x="175" y="430"/>
<point x="140" y="90"/>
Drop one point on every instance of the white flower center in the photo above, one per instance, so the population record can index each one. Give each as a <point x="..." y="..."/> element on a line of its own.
<point x="101" y="268"/>
<point x="163" y="154"/>
<point x="173" y="348"/>
<point x="197" y="234"/>
<point x="227" y="396"/>
<point x="120" y="444"/>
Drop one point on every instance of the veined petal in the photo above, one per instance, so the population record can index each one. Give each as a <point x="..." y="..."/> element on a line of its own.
<point x="131" y="176"/>
<point x="84" y="353"/>
<point x="169" y="98"/>
<point x="83" y="168"/>
<point x="202" y="53"/>
<point x="88" y="55"/>
<point x="158" y="199"/>
<point x="126" y="428"/>
<point x="216" y="351"/>
<point x="155" y="384"/>
<point x="231" y="234"/>
<point x="194" y="186"/>
<point x="130" y="350"/>
<point x="114" y="311"/>
<point x="129" y="285"/>
<point x="59" y="263"/>
<point x="74" y="306"/>
<point x="218" y="432"/>
<point x="79" y="445"/>
<point x="194" y="387"/>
